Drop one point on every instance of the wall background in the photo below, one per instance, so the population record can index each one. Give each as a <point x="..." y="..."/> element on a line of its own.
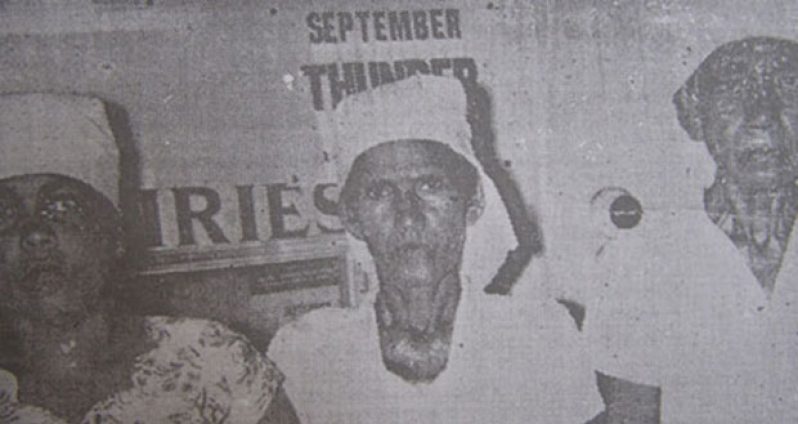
<point x="215" y="97"/>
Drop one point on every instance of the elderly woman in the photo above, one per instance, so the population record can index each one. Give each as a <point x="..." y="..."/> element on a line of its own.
<point x="72" y="356"/>
<point x="676" y="305"/>
<point x="741" y="102"/>
<point x="427" y="345"/>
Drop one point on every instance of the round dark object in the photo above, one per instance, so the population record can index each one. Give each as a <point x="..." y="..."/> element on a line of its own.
<point x="626" y="212"/>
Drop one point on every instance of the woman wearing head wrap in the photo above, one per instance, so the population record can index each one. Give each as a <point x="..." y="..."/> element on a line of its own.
<point x="428" y="345"/>
<point x="73" y="358"/>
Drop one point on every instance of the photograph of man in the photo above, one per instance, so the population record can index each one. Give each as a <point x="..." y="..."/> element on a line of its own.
<point x="428" y="345"/>
<point x="742" y="102"/>
<point x="73" y="357"/>
<point x="673" y="304"/>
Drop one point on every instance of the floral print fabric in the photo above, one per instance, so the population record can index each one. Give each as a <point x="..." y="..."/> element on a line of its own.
<point x="199" y="373"/>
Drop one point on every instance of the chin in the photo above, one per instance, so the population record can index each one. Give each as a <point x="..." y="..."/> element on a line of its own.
<point x="413" y="354"/>
<point x="59" y="309"/>
<point x="416" y="361"/>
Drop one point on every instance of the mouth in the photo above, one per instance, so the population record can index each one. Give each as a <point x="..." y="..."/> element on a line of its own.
<point x="761" y="157"/>
<point x="409" y="247"/>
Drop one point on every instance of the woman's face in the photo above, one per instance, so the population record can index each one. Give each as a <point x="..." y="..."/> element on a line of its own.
<point x="58" y="244"/>
<point x="750" y="113"/>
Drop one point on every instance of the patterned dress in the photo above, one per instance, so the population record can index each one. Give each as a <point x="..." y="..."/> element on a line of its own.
<point x="200" y="372"/>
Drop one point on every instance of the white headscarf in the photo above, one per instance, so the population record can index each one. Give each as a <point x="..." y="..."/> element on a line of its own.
<point x="59" y="134"/>
<point x="431" y="108"/>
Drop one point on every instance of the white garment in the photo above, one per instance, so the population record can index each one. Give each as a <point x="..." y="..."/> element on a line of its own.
<point x="512" y="360"/>
<point x="673" y="304"/>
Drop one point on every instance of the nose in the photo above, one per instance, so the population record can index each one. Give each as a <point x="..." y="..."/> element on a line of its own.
<point x="409" y="209"/>
<point x="761" y="119"/>
<point x="37" y="238"/>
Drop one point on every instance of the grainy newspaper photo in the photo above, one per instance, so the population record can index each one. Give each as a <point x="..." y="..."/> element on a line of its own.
<point x="374" y="211"/>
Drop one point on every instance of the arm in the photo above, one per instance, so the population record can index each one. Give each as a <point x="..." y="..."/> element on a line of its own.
<point x="280" y="411"/>
<point x="628" y="402"/>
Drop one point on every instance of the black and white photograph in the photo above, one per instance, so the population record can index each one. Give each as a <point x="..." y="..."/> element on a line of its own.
<point x="376" y="211"/>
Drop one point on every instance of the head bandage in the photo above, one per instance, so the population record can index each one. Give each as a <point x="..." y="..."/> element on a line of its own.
<point x="59" y="134"/>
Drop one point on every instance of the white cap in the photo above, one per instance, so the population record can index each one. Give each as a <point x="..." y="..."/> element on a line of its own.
<point x="59" y="134"/>
<point x="420" y="107"/>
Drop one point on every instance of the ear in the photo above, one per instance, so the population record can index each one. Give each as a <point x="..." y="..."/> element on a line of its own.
<point x="475" y="206"/>
<point x="686" y="100"/>
<point x="350" y="220"/>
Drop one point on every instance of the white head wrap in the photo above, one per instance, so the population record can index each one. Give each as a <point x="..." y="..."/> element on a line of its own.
<point x="431" y="108"/>
<point x="59" y="134"/>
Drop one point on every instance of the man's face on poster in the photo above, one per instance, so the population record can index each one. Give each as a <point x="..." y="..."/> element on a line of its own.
<point x="58" y="242"/>
<point x="749" y="112"/>
<point x="410" y="201"/>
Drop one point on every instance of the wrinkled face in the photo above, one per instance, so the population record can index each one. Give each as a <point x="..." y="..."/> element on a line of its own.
<point x="58" y="243"/>
<point x="409" y="200"/>
<point x="749" y="110"/>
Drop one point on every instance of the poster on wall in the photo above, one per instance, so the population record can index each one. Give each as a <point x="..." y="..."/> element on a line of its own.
<point x="414" y="211"/>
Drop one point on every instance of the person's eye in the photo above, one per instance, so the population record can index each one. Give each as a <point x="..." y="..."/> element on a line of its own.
<point x="379" y="191"/>
<point x="731" y="90"/>
<point x="430" y="184"/>
<point x="59" y="208"/>
<point x="8" y="214"/>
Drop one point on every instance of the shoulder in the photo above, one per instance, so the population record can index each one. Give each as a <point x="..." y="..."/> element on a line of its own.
<point x="531" y="327"/>
<point x="208" y="345"/>
<point x="319" y="338"/>
<point x="16" y="413"/>
<point x="535" y="338"/>
<point x="170" y="330"/>
<point x="196" y="359"/>
<point x="13" y="412"/>
<point x="536" y="308"/>
<point x="541" y="336"/>
<point x="317" y="327"/>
